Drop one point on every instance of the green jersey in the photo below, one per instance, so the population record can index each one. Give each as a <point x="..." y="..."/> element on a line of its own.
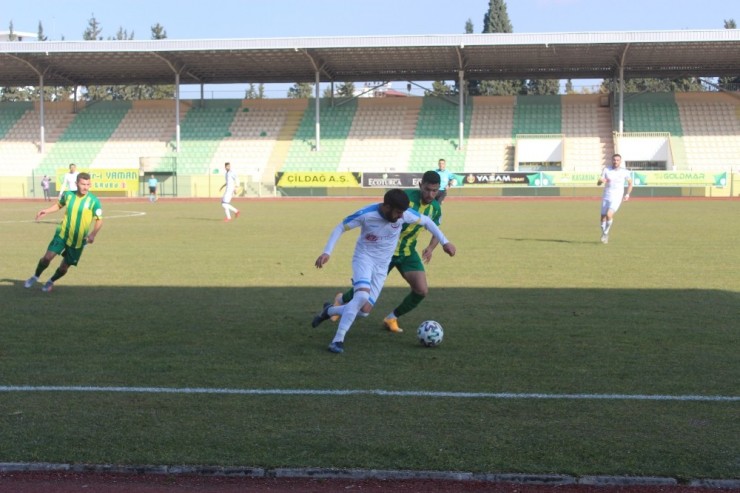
<point x="78" y="217"/>
<point x="410" y="232"/>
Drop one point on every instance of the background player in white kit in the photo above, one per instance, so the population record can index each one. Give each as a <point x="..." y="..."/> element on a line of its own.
<point x="69" y="181"/>
<point x="613" y="177"/>
<point x="232" y="181"/>
<point x="380" y="226"/>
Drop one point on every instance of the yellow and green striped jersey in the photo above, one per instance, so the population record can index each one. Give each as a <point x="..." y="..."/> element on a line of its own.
<point x="78" y="218"/>
<point x="410" y="232"/>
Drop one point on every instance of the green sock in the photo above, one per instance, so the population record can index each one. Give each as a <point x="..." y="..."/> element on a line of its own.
<point x="347" y="296"/>
<point x="410" y="302"/>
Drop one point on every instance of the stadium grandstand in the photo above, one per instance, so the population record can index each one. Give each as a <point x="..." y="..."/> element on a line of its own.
<point x="676" y="141"/>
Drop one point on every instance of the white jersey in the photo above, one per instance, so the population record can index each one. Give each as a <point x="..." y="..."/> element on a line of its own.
<point x="614" y="181"/>
<point x="378" y="237"/>
<point x="231" y="183"/>
<point x="69" y="182"/>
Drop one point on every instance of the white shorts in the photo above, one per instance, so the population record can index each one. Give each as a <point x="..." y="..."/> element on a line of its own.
<point x="367" y="273"/>
<point x="226" y="199"/>
<point x="612" y="203"/>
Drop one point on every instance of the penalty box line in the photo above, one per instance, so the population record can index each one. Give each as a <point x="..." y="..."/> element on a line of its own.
<point x="378" y="392"/>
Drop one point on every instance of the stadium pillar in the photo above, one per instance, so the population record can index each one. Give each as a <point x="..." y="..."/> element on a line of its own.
<point x="621" y="89"/>
<point x="461" y="110"/>
<point x="177" y="112"/>
<point x="42" y="131"/>
<point x="318" y="114"/>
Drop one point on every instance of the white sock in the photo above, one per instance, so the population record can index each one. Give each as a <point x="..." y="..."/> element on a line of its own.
<point x="228" y="208"/>
<point x="391" y="315"/>
<point x="349" y="314"/>
<point x="608" y="226"/>
<point x="335" y="310"/>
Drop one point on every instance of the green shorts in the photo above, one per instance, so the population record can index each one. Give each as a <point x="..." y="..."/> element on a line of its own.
<point x="407" y="263"/>
<point x="70" y="255"/>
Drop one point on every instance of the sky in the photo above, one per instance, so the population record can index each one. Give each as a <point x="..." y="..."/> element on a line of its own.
<point x="228" y="19"/>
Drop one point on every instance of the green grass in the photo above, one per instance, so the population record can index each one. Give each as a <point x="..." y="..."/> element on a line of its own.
<point x="532" y="303"/>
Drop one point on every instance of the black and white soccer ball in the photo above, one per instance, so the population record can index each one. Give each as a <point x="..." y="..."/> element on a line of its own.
<point x="430" y="333"/>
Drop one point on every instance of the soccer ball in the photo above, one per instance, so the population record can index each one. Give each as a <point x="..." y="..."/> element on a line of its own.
<point x="430" y="333"/>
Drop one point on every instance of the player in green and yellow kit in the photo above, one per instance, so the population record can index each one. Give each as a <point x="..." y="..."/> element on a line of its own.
<point x="83" y="214"/>
<point x="406" y="259"/>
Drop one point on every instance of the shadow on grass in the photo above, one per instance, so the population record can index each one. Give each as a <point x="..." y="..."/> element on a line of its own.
<point x="217" y="335"/>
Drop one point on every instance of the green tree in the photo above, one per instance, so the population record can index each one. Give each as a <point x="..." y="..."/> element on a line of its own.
<point x="13" y="93"/>
<point x="472" y="85"/>
<point x="730" y="83"/>
<point x="93" y="33"/>
<point x="439" y="88"/>
<point x="301" y="90"/>
<point x="543" y="86"/>
<point x="93" y="30"/>
<point x="569" y="89"/>
<point x="346" y="90"/>
<point x="143" y="91"/>
<point x="496" y="20"/>
<point x="685" y="84"/>
<point x="40" y="36"/>
<point x="255" y="92"/>
<point x="56" y="93"/>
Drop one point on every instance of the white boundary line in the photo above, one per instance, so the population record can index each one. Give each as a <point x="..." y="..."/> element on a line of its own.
<point x="378" y="392"/>
<point x="126" y="214"/>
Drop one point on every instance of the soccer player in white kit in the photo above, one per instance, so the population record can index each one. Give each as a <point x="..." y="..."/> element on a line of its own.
<point x="380" y="226"/>
<point x="232" y="181"/>
<point x="613" y="177"/>
<point x="69" y="181"/>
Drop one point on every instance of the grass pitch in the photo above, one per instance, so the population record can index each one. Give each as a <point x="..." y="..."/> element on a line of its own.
<point x="532" y="304"/>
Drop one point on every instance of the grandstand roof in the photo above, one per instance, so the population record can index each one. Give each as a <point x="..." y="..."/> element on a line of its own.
<point x="589" y="55"/>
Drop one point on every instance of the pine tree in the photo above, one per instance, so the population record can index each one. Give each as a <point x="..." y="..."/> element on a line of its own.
<point x="13" y="93"/>
<point x="92" y="33"/>
<point x="255" y="92"/>
<point x="730" y="83"/>
<point x="159" y="91"/>
<point x="496" y="20"/>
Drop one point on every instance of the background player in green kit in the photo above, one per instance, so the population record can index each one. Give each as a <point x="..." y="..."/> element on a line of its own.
<point x="406" y="259"/>
<point x="83" y="212"/>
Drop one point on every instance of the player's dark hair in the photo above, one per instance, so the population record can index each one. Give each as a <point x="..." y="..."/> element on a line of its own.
<point x="397" y="199"/>
<point x="431" y="177"/>
<point x="83" y="176"/>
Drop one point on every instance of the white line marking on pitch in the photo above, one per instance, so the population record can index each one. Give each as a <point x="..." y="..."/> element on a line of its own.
<point x="394" y="393"/>
<point x="105" y="216"/>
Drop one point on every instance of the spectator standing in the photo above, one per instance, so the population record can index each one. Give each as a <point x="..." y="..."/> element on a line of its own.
<point x="45" y="185"/>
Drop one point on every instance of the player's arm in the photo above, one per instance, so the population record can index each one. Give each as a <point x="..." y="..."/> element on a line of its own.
<point x="602" y="179"/>
<point x="426" y="254"/>
<point x="333" y="238"/>
<point x="629" y="188"/>
<point x="96" y="227"/>
<point x="48" y="210"/>
<point x="429" y="225"/>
